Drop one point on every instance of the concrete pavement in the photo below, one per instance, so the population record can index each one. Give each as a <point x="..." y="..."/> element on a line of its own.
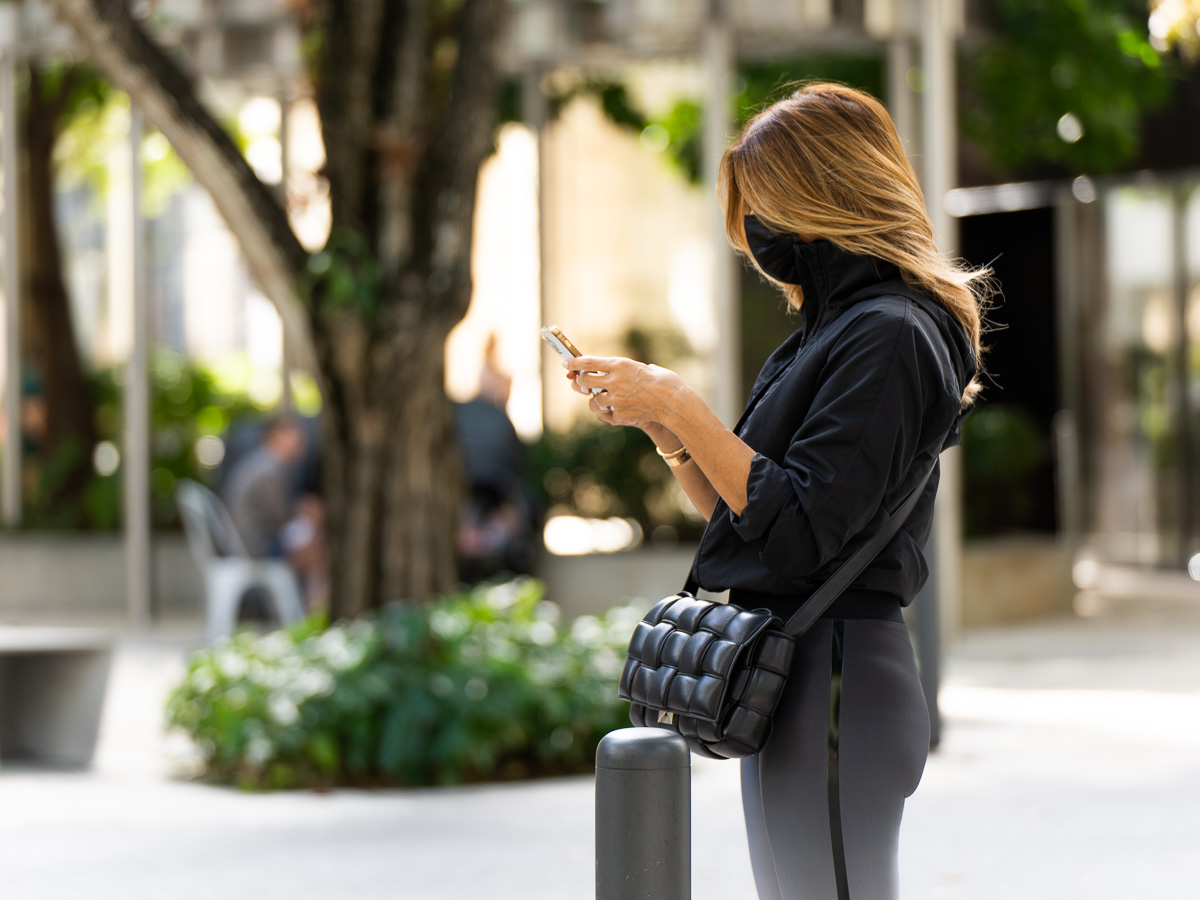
<point x="1070" y="767"/>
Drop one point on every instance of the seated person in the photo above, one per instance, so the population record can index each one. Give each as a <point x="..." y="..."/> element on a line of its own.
<point x="274" y="519"/>
<point x="260" y="488"/>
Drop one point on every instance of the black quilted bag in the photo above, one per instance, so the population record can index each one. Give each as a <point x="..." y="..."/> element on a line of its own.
<point x="714" y="672"/>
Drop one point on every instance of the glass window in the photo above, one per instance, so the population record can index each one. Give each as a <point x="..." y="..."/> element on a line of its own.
<point x="1190" y="272"/>
<point x="1132" y="386"/>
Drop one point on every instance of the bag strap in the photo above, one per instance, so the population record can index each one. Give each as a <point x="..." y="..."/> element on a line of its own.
<point x="821" y="599"/>
<point x="835" y="585"/>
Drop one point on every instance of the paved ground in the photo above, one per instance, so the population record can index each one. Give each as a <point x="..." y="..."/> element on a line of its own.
<point x="1070" y="768"/>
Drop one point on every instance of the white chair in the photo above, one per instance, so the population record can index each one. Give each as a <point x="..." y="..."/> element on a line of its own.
<point x="228" y="569"/>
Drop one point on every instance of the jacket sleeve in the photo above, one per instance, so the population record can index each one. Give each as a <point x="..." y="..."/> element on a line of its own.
<point x="863" y="429"/>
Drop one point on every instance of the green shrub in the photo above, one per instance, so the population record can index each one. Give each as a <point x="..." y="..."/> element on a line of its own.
<point x="188" y="402"/>
<point x="484" y="685"/>
<point x="1003" y="451"/>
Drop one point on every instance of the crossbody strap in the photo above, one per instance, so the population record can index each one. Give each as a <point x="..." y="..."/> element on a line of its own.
<point x="821" y="599"/>
<point x="833" y="587"/>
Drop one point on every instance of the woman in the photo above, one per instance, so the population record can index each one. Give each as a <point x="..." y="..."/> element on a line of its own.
<point x="844" y="421"/>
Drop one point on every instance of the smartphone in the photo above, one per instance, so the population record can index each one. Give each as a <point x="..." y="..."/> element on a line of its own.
<point x="553" y="336"/>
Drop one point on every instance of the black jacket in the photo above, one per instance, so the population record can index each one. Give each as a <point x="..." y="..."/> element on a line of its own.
<point x="846" y="416"/>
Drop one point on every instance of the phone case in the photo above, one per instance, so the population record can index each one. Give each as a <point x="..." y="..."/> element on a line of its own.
<point x="553" y="336"/>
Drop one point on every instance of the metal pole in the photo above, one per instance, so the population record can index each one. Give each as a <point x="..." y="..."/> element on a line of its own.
<point x="939" y="144"/>
<point x="287" y="352"/>
<point x="137" y="462"/>
<point x="937" y="607"/>
<point x="1184" y="436"/>
<point x="719" y="61"/>
<point x="1067" y="213"/>
<point x="643" y="816"/>
<point x="11" y="475"/>
<point x="899" y="97"/>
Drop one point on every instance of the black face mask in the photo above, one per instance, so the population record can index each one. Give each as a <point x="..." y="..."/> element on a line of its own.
<point x="776" y="254"/>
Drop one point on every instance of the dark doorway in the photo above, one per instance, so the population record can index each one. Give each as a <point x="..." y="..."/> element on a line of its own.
<point x="1021" y="390"/>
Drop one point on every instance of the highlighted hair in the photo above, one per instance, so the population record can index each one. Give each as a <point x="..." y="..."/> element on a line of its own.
<point x="827" y="162"/>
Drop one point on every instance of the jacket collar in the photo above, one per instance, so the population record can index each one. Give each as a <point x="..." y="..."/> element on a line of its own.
<point x="833" y="279"/>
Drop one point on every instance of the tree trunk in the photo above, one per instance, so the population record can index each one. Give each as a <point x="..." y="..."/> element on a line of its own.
<point x="423" y="480"/>
<point x="391" y="474"/>
<point x="406" y="129"/>
<point x="54" y="348"/>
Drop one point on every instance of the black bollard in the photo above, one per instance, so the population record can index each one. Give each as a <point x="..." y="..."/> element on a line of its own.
<point x="643" y="816"/>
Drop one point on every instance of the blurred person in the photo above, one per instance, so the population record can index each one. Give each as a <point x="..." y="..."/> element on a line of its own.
<point x="846" y="417"/>
<point x="34" y="414"/>
<point x="273" y="519"/>
<point x="495" y="384"/>
<point x="496" y="525"/>
<point x="34" y="429"/>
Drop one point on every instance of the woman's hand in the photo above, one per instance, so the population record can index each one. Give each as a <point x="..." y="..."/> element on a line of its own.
<point x="631" y="393"/>
<point x="661" y="404"/>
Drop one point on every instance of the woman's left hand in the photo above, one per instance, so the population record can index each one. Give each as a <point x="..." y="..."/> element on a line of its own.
<point x="632" y="393"/>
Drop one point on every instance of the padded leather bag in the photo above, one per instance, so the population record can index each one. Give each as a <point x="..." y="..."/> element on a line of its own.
<point x="714" y="672"/>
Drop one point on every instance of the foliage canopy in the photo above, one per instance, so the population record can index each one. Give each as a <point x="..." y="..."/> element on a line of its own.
<point x="1064" y="81"/>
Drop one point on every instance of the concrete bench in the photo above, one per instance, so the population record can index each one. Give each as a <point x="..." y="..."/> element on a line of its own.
<point x="52" y="683"/>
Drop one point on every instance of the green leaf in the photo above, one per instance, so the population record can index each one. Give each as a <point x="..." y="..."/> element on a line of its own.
<point x="323" y="751"/>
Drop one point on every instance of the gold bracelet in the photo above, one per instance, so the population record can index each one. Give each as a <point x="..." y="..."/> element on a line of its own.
<point x="675" y="458"/>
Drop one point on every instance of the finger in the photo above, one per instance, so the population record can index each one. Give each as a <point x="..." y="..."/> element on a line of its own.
<point x="592" y="363"/>
<point x="603" y="411"/>
<point x="592" y="379"/>
<point x="582" y="389"/>
<point x="573" y="379"/>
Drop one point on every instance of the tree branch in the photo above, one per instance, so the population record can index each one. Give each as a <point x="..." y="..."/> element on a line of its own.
<point x="167" y="97"/>
<point x="65" y="88"/>
<point x="460" y="148"/>
<point x="352" y="33"/>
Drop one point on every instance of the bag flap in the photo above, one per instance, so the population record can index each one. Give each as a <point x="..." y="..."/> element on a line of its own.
<point x="684" y="653"/>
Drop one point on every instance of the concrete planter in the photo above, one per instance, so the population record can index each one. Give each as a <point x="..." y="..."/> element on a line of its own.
<point x="1015" y="579"/>
<point x="1011" y="579"/>
<point x="62" y="575"/>
<point x="58" y="576"/>
<point x="593" y="583"/>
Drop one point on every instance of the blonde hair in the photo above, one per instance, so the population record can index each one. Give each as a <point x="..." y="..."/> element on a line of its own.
<point x="827" y="161"/>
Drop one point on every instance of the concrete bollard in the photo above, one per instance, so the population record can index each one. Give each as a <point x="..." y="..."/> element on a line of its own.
<point x="643" y="816"/>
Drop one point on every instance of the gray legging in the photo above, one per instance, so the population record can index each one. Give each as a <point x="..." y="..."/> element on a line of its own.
<point x="823" y="800"/>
